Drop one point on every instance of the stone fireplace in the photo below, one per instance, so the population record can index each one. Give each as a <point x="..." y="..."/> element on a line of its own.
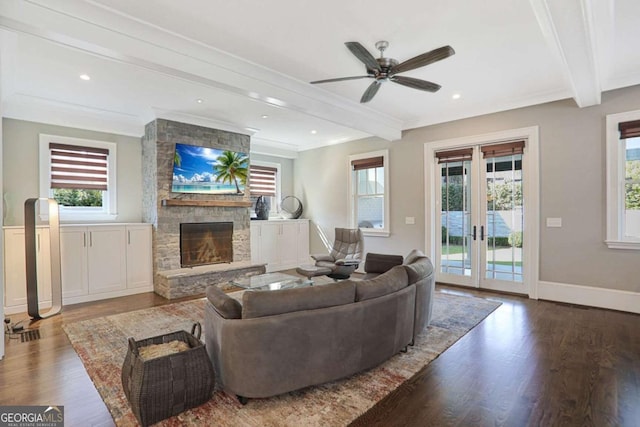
<point x="204" y="243"/>
<point x="167" y="211"/>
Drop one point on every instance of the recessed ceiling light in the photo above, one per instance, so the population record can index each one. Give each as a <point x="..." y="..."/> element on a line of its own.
<point x="264" y="116"/>
<point x="199" y="101"/>
<point x="456" y="96"/>
<point x="85" y="77"/>
<point x="314" y="131"/>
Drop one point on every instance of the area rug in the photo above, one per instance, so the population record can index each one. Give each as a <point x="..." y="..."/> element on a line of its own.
<point x="102" y="345"/>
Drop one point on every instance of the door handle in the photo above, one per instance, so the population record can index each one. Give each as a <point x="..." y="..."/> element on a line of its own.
<point x="482" y="232"/>
<point x="474" y="233"/>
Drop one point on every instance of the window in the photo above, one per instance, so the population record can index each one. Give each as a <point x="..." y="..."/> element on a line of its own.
<point x="264" y="181"/>
<point x="623" y="180"/>
<point x="80" y="175"/>
<point x="369" y="175"/>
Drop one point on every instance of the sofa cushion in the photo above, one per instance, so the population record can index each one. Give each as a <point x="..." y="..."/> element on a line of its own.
<point x="419" y="269"/>
<point x="226" y="306"/>
<point x="387" y="283"/>
<point x="269" y="303"/>
<point x="381" y="263"/>
<point x="413" y="256"/>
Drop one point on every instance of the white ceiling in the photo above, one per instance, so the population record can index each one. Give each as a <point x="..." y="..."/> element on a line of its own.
<point x="246" y="59"/>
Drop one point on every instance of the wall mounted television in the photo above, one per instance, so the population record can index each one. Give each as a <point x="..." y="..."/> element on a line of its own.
<point x="205" y="170"/>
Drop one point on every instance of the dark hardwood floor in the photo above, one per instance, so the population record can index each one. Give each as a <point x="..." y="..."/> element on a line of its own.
<point x="529" y="363"/>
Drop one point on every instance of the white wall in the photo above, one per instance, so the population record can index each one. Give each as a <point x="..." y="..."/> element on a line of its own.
<point x="21" y="173"/>
<point x="572" y="173"/>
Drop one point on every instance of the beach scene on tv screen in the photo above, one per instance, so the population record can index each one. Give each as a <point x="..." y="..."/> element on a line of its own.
<point x="209" y="170"/>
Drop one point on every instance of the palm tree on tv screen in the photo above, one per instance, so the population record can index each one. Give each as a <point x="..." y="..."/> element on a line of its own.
<point x="232" y="167"/>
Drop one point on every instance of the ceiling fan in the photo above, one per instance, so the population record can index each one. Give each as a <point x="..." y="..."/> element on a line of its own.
<point x="386" y="69"/>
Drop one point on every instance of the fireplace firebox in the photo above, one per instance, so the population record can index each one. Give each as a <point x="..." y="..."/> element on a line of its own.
<point x="205" y="243"/>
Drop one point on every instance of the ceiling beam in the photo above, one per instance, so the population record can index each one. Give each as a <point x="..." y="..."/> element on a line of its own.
<point x="578" y="33"/>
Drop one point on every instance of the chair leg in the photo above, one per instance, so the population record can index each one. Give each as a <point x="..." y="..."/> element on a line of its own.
<point x="243" y="400"/>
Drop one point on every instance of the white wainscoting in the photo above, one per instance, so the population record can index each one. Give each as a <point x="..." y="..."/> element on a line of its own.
<point x="613" y="299"/>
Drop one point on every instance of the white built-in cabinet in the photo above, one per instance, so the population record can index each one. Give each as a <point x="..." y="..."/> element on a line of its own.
<point x="281" y="244"/>
<point x="97" y="262"/>
<point x="15" y="279"/>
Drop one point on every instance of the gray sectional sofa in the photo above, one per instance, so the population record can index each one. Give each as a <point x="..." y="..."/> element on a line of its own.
<point x="280" y="341"/>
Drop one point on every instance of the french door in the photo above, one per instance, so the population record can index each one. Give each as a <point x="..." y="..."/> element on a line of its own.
<point x="479" y="216"/>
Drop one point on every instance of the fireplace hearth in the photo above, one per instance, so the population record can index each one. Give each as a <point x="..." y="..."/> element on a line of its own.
<point x="206" y="243"/>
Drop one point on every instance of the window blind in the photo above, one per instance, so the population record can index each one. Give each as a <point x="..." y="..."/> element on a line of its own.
<point x="262" y="180"/>
<point x="505" y="149"/>
<point x="77" y="167"/>
<point x="452" y="156"/>
<point x="629" y="129"/>
<point x="372" y="162"/>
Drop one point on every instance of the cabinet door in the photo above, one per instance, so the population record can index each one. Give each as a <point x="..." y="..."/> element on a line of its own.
<point x="139" y="269"/>
<point x="43" y="264"/>
<point x="303" y="243"/>
<point x="106" y="259"/>
<point x="15" y="276"/>
<point x="269" y="234"/>
<point x="288" y="245"/>
<point x="256" y="256"/>
<point x="73" y="261"/>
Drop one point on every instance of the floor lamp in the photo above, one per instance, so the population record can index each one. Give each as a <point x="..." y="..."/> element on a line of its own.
<point x="31" y="251"/>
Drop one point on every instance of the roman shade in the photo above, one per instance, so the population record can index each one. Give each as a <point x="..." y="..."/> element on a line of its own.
<point x="504" y="149"/>
<point x="78" y="167"/>
<point x="451" y="156"/>
<point x="629" y="129"/>
<point x="371" y="162"/>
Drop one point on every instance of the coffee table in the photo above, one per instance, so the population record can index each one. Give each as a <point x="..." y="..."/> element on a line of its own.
<point x="271" y="282"/>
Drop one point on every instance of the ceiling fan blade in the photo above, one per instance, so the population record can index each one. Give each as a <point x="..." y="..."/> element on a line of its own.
<point x="363" y="55"/>
<point x="416" y="83"/>
<point x="370" y="92"/>
<point x="424" y="59"/>
<point x="339" y="79"/>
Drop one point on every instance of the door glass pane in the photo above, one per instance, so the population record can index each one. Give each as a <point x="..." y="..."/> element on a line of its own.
<point x="632" y="188"/>
<point x="504" y="220"/>
<point x="455" y="217"/>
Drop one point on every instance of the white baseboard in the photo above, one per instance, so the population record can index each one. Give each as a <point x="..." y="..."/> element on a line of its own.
<point x="613" y="299"/>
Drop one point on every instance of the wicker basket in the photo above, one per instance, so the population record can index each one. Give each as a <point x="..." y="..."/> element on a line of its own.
<point x="165" y="386"/>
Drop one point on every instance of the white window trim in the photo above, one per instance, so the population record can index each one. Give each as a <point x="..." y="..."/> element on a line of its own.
<point x="109" y="211"/>
<point x="275" y="208"/>
<point x="615" y="176"/>
<point x="383" y="232"/>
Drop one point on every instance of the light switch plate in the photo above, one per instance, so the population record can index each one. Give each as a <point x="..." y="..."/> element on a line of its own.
<point x="554" y="222"/>
<point x="409" y="220"/>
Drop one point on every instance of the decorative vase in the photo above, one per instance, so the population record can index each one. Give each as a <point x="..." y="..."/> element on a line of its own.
<point x="262" y="208"/>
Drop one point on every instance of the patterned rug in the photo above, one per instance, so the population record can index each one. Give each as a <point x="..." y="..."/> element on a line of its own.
<point x="102" y="345"/>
